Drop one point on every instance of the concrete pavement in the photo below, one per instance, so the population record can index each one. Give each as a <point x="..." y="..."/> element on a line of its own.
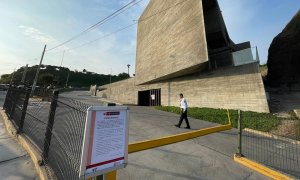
<point x="207" y="157"/>
<point x="84" y="96"/>
<point x="15" y="164"/>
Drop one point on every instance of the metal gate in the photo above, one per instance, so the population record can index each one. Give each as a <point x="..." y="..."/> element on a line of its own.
<point x="155" y="97"/>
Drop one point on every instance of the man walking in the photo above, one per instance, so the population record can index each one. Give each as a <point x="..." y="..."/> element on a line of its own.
<point x="183" y="112"/>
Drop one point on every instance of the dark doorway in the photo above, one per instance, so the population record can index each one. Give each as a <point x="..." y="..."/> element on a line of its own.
<point x="149" y="98"/>
<point x="143" y="98"/>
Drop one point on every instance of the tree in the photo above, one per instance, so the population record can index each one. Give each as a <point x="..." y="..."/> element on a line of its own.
<point x="5" y="78"/>
<point x="47" y="79"/>
<point x="123" y="75"/>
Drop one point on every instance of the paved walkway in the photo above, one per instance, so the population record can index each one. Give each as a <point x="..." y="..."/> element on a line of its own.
<point x="15" y="164"/>
<point x="207" y="157"/>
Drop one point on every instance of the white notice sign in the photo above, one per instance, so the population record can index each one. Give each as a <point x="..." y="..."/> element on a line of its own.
<point x="105" y="146"/>
<point x="153" y="96"/>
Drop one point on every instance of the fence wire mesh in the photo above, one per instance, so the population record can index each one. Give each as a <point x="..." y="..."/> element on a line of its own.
<point x="67" y="137"/>
<point x="14" y="104"/>
<point x="277" y="147"/>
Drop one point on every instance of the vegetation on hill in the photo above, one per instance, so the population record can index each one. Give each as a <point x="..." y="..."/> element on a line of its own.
<point x="57" y="76"/>
<point x="263" y="70"/>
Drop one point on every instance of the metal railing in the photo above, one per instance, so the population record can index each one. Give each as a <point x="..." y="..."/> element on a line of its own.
<point x="277" y="148"/>
<point x="54" y="128"/>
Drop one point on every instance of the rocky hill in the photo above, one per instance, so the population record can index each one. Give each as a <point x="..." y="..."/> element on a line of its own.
<point x="59" y="76"/>
<point x="284" y="55"/>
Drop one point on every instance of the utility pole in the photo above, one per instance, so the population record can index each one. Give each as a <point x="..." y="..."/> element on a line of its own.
<point x="68" y="77"/>
<point x="38" y="70"/>
<point x="24" y="74"/>
<point x="128" y="65"/>
<point x="110" y="83"/>
<point x="62" y="59"/>
<point x="110" y="77"/>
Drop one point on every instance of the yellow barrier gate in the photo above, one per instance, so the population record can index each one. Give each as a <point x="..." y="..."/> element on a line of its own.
<point x="149" y="144"/>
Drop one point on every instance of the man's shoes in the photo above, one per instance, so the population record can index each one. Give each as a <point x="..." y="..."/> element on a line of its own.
<point x="187" y="127"/>
<point x="176" y="125"/>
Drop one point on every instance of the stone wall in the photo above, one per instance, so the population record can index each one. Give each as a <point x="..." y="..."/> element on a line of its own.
<point x="231" y="87"/>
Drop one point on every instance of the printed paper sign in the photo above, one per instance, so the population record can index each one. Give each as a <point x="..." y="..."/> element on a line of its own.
<point x="153" y="96"/>
<point x="106" y="140"/>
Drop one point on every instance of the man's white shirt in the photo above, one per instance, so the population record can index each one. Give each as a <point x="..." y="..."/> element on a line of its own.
<point x="183" y="104"/>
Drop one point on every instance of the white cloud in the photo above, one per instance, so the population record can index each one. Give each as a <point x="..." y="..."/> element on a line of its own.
<point x="36" y="34"/>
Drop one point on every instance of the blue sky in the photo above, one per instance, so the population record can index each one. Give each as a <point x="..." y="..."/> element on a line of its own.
<point x="27" y="25"/>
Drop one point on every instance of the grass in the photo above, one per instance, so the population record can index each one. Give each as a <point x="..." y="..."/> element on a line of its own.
<point x="259" y="121"/>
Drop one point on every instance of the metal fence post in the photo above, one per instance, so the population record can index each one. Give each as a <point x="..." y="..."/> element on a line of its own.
<point x="48" y="133"/>
<point x="239" y="134"/>
<point x="13" y="103"/>
<point x="24" y="109"/>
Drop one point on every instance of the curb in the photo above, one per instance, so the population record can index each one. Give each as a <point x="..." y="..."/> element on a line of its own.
<point x="109" y="101"/>
<point x="24" y="142"/>
<point x="272" y="136"/>
<point x="260" y="168"/>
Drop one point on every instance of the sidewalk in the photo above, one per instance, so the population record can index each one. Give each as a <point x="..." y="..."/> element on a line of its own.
<point x="15" y="164"/>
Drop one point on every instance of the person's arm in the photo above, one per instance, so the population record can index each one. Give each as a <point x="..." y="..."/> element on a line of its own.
<point x="183" y="106"/>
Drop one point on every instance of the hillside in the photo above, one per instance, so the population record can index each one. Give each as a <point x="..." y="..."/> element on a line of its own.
<point x="284" y="55"/>
<point x="57" y="76"/>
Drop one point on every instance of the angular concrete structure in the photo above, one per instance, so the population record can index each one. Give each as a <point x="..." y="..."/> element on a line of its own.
<point x="171" y="40"/>
<point x="183" y="47"/>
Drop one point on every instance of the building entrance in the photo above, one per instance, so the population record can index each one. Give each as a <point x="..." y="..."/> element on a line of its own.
<point x="149" y="97"/>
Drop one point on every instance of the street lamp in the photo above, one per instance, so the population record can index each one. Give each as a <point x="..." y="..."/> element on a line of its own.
<point x="128" y="65"/>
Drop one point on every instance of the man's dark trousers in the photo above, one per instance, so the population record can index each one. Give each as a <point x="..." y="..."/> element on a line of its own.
<point x="184" y="116"/>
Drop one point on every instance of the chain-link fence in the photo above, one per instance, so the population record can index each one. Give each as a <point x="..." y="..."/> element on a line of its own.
<point x="67" y="136"/>
<point x="273" y="142"/>
<point x="53" y="124"/>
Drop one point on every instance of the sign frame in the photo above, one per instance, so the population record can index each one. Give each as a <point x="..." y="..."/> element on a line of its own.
<point x="86" y="139"/>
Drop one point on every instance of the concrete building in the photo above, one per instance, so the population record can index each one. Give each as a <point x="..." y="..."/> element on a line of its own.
<point x="183" y="47"/>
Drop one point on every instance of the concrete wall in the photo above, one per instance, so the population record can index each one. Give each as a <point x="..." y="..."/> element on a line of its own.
<point x="171" y="33"/>
<point x="123" y="91"/>
<point x="93" y="89"/>
<point x="232" y="87"/>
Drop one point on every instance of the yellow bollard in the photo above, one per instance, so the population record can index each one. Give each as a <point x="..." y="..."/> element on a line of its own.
<point x="111" y="175"/>
<point x="228" y="114"/>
